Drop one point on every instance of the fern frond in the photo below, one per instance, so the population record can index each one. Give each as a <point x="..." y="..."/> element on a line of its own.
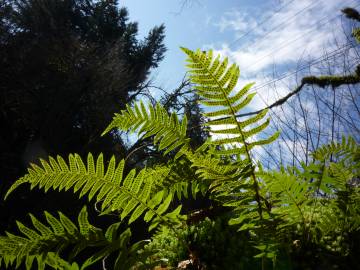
<point x="179" y="178"/>
<point x="347" y="147"/>
<point x="335" y="165"/>
<point x="218" y="172"/>
<point x="290" y="195"/>
<point x="340" y="175"/>
<point x="316" y="194"/>
<point x="128" y="195"/>
<point x="215" y="83"/>
<point x="330" y="219"/>
<point x="233" y="178"/>
<point x="128" y="255"/>
<point x="44" y="243"/>
<point x="230" y="184"/>
<point x="168" y="131"/>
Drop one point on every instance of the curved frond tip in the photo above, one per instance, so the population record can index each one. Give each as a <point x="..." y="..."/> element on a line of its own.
<point x="168" y="131"/>
<point x="215" y="82"/>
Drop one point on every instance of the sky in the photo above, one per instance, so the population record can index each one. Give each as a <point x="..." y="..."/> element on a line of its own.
<point x="274" y="42"/>
<point x="267" y="39"/>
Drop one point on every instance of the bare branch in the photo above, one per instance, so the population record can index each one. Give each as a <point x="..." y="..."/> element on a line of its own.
<point x="322" y="81"/>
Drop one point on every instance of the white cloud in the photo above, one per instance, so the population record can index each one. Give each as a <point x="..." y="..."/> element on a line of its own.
<point x="302" y="30"/>
<point x="236" y="21"/>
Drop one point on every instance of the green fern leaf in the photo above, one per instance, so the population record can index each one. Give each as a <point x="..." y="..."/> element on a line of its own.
<point x="60" y="234"/>
<point x="215" y="83"/>
<point x="39" y="246"/>
<point x="106" y="186"/>
<point x="346" y="148"/>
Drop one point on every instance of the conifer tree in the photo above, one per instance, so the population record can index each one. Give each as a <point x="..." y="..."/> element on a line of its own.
<point x="65" y="68"/>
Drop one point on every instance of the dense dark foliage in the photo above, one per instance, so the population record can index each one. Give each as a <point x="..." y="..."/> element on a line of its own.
<point x="65" y="68"/>
<point x="213" y="244"/>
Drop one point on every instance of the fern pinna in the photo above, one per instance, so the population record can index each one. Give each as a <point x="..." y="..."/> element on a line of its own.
<point x="46" y="243"/>
<point x="129" y="196"/>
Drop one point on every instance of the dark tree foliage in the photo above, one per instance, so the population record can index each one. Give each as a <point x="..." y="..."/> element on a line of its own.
<point x="65" y="68"/>
<point x="196" y="132"/>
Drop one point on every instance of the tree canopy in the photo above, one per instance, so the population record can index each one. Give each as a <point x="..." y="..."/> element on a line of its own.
<point x="65" y="68"/>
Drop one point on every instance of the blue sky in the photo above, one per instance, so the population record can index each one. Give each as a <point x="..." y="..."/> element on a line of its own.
<point x="274" y="42"/>
<point x="196" y="25"/>
<point x="280" y="35"/>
